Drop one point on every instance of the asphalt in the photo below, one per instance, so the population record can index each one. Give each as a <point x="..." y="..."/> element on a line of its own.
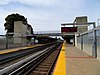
<point x="79" y="62"/>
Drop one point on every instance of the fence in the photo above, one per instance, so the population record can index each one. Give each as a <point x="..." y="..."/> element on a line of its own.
<point x="7" y="42"/>
<point x="90" y="42"/>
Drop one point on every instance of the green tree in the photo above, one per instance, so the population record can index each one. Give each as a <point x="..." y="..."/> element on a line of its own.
<point x="9" y="25"/>
<point x="29" y="26"/>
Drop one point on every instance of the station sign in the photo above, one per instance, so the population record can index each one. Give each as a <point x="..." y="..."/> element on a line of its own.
<point x="68" y="29"/>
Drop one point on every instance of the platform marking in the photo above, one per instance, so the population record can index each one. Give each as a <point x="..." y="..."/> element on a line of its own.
<point x="17" y="49"/>
<point x="60" y="68"/>
<point x="80" y="57"/>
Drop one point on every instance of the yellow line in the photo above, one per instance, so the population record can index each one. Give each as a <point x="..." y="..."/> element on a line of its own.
<point x="16" y="49"/>
<point x="60" y="68"/>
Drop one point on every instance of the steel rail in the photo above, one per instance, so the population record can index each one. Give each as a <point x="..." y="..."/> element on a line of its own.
<point x="43" y="58"/>
<point x="25" y="67"/>
<point x="5" y="58"/>
<point x="47" y="64"/>
<point x="12" y="68"/>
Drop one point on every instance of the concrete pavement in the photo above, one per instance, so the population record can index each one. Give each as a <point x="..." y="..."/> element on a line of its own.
<point x="80" y="63"/>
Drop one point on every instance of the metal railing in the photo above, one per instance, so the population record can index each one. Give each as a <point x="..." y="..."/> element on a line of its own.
<point x="47" y="32"/>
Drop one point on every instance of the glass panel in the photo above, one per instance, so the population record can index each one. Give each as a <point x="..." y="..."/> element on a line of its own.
<point x="98" y="43"/>
<point x="88" y="42"/>
<point x="79" y="42"/>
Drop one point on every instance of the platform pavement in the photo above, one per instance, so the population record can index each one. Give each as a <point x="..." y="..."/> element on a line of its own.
<point x="80" y="63"/>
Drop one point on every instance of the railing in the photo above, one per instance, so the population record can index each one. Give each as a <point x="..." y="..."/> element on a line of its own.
<point x="46" y="32"/>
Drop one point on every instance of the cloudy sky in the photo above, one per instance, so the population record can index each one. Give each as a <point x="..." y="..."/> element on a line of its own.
<point x="47" y="15"/>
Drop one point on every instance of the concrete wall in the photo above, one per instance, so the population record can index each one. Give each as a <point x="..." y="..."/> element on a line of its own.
<point x="81" y="28"/>
<point x="20" y="31"/>
<point x="24" y="35"/>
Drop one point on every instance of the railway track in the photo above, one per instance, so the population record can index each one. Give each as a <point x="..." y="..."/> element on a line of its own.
<point x="40" y="63"/>
<point x="46" y="66"/>
<point x="13" y="57"/>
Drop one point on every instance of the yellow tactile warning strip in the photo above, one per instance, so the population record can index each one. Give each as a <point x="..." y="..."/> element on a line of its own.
<point x="60" y="68"/>
<point x="17" y="49"/>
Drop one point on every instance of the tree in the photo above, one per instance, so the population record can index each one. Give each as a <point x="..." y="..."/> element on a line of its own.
<point x="9" y="25"/>
<point x="29" y="26"/>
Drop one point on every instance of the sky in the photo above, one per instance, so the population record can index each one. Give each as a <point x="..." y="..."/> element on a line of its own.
<point x="48" y="15"/>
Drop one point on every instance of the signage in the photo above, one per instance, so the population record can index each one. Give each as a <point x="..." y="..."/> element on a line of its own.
<point x="68" y="29"/>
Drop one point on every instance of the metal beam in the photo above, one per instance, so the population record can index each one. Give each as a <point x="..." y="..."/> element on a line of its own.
<point x="64" y="24"/>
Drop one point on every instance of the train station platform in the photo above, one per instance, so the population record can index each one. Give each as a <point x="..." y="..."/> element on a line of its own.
<point x="77" y="62"/>
<point x="80" y="63"/>
<point x="18" y="49"/>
